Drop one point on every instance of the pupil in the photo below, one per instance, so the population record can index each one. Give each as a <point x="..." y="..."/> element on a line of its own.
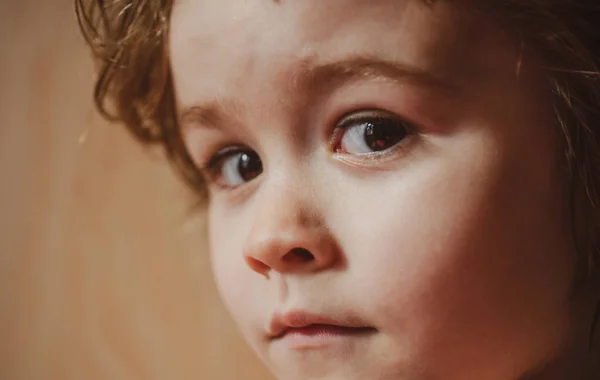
<point x="383" y="134"/>
<point x="249" y="166"/>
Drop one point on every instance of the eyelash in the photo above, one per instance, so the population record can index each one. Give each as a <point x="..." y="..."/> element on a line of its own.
<point x="214" y="162"/>
<point x="351" y="119"/>
<point x="212" y="166"/>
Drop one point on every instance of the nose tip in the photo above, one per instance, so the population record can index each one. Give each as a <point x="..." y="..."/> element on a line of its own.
<point x="289" y="232"/>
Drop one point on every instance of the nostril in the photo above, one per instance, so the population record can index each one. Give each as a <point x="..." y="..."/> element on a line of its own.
<point x="299" y="254"/>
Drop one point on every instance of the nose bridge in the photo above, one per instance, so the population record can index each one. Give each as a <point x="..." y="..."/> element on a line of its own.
<point x="287" y="203"/>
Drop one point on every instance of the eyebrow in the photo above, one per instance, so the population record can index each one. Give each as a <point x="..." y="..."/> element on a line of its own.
<point x="313" y="79"/>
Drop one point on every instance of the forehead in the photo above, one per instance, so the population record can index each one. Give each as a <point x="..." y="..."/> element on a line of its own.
<point x="220" y="46"/>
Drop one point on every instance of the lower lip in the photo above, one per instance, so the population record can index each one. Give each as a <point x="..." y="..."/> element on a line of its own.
<point x="318" y="336"/>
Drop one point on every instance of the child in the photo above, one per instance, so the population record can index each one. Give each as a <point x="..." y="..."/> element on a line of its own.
<point x="396" y="189"/>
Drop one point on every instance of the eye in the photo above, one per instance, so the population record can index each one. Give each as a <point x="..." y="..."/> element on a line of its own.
<point x="371" y="132"/>
<point x="234" y="167"/>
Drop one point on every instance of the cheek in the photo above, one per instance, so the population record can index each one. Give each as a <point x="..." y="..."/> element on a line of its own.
<point x="231" y="273"/>
<point x="471" y="248"/>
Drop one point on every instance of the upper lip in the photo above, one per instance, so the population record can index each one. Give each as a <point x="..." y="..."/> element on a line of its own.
<point x="282" y="322"/>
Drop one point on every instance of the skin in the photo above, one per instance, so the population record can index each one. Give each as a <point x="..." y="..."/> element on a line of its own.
<point x="452" y="244"/>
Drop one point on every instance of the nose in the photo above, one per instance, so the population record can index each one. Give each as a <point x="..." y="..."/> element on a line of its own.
<point x="289" y="235"/>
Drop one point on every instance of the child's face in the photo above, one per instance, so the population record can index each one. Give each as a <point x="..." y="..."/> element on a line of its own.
<point x="407" y="182"/>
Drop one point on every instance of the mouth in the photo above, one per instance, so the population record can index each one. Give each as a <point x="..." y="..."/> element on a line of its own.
<point x="302" y="329"/>
<point x="320" y="330"/>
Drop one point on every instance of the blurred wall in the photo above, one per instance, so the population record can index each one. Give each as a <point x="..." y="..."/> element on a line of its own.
<point x="102" y="275"/>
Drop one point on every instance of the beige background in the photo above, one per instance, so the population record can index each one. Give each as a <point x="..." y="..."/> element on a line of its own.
<point x="102" y="276"/>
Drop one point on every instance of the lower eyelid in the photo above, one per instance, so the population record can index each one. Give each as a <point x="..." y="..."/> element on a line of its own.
<point x="378" y="159"/>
